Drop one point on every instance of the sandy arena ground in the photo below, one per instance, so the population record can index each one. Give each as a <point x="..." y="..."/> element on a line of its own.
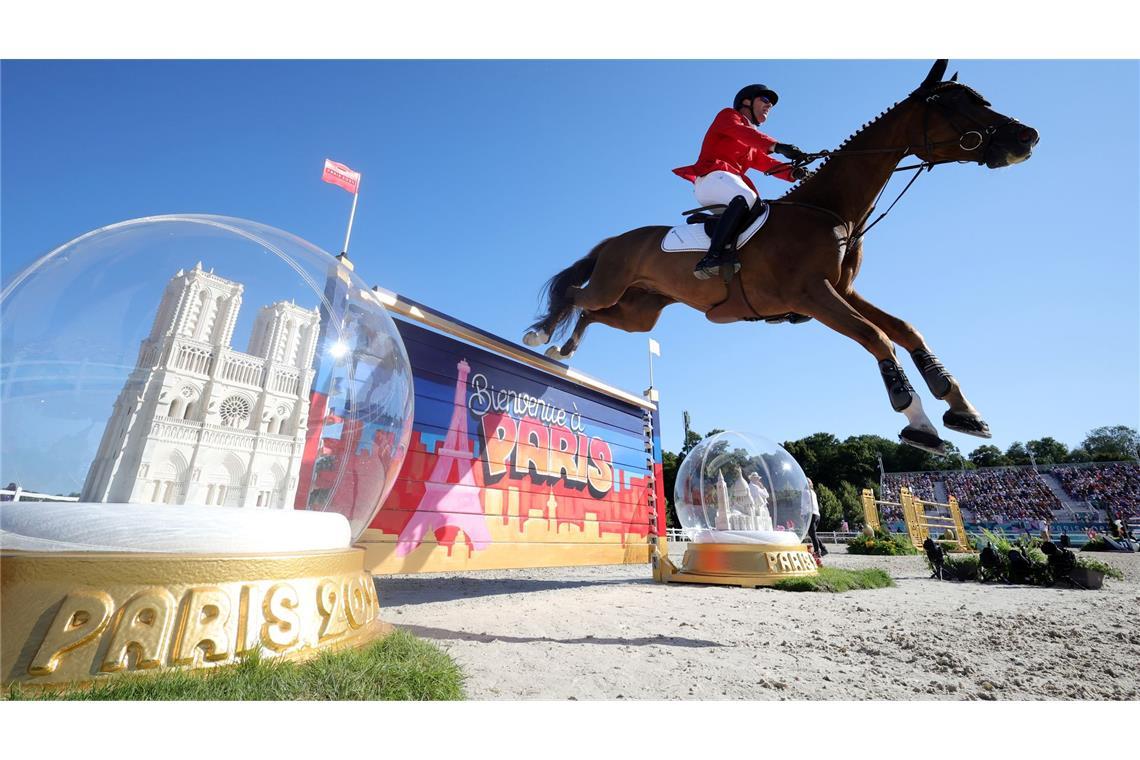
<point x="611" y="633"/>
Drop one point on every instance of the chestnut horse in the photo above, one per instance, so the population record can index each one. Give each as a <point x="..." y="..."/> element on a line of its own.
<point x="805" y="259"/>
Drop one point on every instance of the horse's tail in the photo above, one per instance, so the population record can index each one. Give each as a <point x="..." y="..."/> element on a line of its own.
<point x="560" y="307"/>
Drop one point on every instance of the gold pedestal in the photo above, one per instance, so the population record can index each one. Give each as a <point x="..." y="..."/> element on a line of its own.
<point x="747" y="565"/>
<point x="79" y="617"/>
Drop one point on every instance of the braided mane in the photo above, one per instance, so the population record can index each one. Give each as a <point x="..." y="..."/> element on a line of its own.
<point x="803" y="182"/>
<point x="938" y="88"/>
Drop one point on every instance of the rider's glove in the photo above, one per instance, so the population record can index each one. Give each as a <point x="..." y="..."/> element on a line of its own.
<point x="799" y="173"/>
<point x="789" y="151"/>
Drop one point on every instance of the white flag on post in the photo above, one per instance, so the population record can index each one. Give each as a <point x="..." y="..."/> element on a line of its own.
<point x="654" y="347"/>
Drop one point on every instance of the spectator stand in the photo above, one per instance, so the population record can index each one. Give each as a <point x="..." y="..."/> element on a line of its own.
<point x="1113" y="486"/>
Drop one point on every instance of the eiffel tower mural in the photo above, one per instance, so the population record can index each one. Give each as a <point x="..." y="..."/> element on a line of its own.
<point x="451" y="498"/>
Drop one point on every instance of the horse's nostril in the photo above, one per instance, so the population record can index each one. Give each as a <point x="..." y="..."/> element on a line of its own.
<point x="1027" y="135"/>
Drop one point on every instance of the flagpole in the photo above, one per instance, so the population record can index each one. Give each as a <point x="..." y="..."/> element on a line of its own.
<point x="650" y="366"/>
<point x="351" y="215"/>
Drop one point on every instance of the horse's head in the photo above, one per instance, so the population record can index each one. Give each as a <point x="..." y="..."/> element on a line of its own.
<point x="957" y="124"/>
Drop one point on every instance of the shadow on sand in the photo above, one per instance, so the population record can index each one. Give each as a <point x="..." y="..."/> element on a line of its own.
<point x="400" y="591"/>
<point x="425" y="632"/>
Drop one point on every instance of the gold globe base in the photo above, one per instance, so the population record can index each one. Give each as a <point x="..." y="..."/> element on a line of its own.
<point x="747" y="565"/>
<point x="75" y="618"/>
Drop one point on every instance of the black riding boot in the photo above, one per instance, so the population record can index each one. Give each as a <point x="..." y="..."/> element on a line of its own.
<point x="722" y="249"/>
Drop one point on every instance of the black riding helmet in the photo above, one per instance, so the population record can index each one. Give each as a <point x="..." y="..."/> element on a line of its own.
<point x="750" y="92"/>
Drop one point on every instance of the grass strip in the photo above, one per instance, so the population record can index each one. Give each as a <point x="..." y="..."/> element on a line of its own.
<point x="835" y="580"/>
<point x="397" y="667"/>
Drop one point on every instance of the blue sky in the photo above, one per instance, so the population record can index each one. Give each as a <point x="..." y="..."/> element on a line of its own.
<point x="483" y="178"/>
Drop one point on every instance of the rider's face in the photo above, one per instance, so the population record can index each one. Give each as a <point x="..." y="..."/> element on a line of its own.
<point x="760" y="107"/>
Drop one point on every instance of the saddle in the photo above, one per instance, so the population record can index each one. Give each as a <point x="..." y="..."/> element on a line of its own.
<point x="696" y="233"/>
<point x="709" y="216"/>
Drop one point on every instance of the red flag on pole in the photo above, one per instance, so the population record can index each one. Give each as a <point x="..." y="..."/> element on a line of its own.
<point x="341" y="176"/>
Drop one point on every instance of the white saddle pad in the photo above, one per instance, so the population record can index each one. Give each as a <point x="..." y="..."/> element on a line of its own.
<point x="692" y="237"/>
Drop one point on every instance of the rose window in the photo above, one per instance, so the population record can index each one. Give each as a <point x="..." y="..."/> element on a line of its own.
<point x="235" y="410"/>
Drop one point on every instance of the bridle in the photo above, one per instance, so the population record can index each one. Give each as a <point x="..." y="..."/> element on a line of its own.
<point x="982" y="134"/>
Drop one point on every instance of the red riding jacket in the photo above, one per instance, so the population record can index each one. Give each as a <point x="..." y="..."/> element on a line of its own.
<point x="733" y="145"/>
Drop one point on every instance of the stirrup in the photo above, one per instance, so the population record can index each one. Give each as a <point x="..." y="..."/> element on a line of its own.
<point x="712" y="270"/>
<point x="708" y="267"/>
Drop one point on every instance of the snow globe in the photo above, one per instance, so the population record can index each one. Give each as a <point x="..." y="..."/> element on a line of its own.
<point x="202" y="413"/>
<point x="744" y="504"/>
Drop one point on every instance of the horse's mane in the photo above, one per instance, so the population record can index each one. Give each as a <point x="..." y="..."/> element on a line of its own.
<point x="807" y="180"/>
<point x="940" y="87"/>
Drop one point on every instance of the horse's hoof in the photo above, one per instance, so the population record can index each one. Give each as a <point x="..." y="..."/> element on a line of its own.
<point x="555" y="353"/>
<point x="970" y="424"/>
<point x="536" y="338"/>
<point x="921" y="439"/>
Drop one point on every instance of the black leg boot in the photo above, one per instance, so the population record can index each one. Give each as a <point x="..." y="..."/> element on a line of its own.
<point x="722" y="249"/>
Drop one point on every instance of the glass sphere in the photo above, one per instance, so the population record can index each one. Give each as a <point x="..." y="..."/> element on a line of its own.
<point x="196" y="360"/>
<point x="742" y="488"/>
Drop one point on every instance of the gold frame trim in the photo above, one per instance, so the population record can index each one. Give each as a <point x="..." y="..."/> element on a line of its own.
<point x="747" y="565"/>
<point x="76" y="618"/>
<point x="395" y="303"/>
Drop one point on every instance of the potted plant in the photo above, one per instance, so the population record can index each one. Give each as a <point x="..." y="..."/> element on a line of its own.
<point x="1089" y="573"/>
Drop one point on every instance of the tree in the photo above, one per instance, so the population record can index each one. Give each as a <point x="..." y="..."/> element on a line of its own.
<point x="857" y="460"/>
<point x="910" y="459"/>
<point x="1078" y="455"/>
<point x="816" y="455"/>
<point x="670" y="463"/>
<point x="988" y="456"/>
<point x="1048" y="450"/>
<point x="852" y="503"/>
<point x="1114" y="443"/>
<point x="830" y="510"/>
<point x="1017" y="453"/>
<point x="692" y="438"/>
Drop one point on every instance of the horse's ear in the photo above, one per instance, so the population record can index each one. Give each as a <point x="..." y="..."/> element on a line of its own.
<point x="955" y="77"/>
<point x="937" y="71"/>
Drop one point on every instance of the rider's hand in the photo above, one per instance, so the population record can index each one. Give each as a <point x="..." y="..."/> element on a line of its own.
<point x="789" y="151"/>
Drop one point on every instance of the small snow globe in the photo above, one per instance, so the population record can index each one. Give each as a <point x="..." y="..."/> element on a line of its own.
<point x="739" y="488"/>
<point x="194" y="383"/>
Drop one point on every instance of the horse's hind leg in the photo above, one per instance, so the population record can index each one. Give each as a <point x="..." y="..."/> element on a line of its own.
<point x="637" y="311"/>
<point x="585" y="319"/>
<point x="825" y="304"/>
<point x="613" y="274"/>
<point x="962" y="416"/>
<point x="595" y="282"/>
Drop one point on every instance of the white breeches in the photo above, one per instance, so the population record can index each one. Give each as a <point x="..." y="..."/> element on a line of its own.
<point x="721" y="187"/>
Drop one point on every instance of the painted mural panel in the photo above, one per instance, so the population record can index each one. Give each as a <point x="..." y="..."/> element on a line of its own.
<point x="509" y="466"/>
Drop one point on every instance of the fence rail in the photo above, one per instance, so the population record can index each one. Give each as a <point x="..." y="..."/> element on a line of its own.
<point x="19" y="494"/>
<point x="680" y="535"/>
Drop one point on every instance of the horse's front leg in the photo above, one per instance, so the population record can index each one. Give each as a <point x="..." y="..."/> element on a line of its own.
<point x="825" y="304"/>
<point x="962" y="416"/>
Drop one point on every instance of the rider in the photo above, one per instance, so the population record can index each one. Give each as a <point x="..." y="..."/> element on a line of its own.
<point x="733" y="145"/>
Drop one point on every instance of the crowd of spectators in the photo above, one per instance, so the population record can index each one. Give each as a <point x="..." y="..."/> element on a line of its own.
<point x="1022" y="494"/>
<point x="1114" y="486"/>
<point x="1003" y="494"/>
<point x="921" y="485"/>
